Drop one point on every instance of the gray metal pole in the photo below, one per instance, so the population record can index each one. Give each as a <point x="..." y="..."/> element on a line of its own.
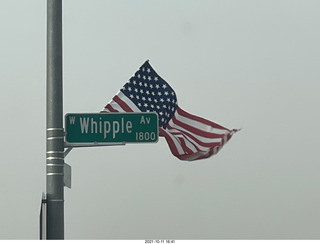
<point x="55" y="137"/>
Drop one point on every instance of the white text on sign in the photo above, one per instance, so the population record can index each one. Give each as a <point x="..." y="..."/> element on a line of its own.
<point x="91" y="126"/>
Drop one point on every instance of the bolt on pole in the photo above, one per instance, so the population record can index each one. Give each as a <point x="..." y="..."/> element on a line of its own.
<point x="54" y="120"/>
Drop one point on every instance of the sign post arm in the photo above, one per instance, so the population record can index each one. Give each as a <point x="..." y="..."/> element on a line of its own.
<point x="66" y="152"/>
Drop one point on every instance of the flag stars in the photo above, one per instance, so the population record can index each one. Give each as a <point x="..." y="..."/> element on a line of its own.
<point x="150" y="93"/>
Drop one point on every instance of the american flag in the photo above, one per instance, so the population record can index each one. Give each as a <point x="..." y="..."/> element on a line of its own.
<point x="189" y="137"/>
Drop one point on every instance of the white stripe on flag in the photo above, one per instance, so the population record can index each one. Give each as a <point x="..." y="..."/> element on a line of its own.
<point x="125" y="99"/>
<point x="202" y="148"/>
<point x="176" y="143"/>
<point x="199" y="125"/>
<point x="200" y="138"/>
<point x="187" y="142"/>
<point x="116" y="106"/>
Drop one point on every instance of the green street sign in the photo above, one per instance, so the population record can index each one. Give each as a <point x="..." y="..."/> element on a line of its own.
<point x="106" y="128"/>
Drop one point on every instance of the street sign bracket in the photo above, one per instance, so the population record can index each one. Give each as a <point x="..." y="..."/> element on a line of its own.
<point x="66" y="152"/>
<point x="70" y="147"/>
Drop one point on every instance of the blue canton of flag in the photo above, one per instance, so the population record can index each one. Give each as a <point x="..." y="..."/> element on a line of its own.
<point x="150" y="93"/>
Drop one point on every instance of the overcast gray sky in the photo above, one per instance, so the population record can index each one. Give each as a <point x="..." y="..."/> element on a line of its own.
<point x="250" y="64"/>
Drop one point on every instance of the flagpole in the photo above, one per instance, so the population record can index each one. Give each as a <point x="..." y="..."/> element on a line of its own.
<point x="55" y="134"/>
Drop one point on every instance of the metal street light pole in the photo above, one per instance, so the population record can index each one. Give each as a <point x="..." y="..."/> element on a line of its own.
<point x="55" y="134"/>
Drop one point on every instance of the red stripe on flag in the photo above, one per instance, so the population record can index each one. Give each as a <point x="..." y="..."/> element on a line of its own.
<point x="210" y="153"/>
<point x="169" y="141"/>
<point x="173" y="147"/>
<point x="195" y="130"/>
<point x="110" y="108"/>
<point x="186" y="149"/>
<point x="199" y="119"/>
<point x="171" y="144"/>
<point x="201" y="143"/>
<point x="122" y="104"/>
